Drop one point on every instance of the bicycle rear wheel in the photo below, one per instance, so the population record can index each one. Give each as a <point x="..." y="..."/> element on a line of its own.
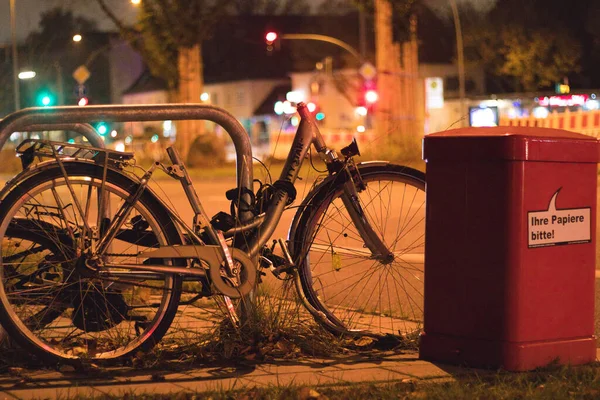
<point x="53" y="303"/>
<point x="337" y="272"/>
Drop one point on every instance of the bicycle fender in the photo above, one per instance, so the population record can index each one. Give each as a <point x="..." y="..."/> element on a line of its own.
<point x="213" y="256"/>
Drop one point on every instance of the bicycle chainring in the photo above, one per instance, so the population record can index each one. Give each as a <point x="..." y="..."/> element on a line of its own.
<point x="246" y="279"/>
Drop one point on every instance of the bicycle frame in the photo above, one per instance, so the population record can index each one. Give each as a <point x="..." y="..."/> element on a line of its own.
<point x="306" y="135"/>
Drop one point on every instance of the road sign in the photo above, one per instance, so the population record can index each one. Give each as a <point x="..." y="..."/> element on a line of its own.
<point x="367" y="71"/>
<point x="81" y="74"/>
<point x="434" y="93"/>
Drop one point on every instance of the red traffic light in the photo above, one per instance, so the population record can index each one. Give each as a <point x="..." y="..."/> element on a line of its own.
<point x="371" y="96"/>
<point x="271" y="37"/>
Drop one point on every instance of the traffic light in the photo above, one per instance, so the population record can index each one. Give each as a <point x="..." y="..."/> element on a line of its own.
<point x="271" y="40"/>
<point x="371" y="96"/>
<point x="102" y="128"/>
<point x="83" y="101"/>
<point x="45" y="99"/>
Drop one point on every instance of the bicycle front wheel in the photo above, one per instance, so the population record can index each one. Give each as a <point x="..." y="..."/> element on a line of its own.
<point x="337" y="272"/>
<point x="56" y="304"/>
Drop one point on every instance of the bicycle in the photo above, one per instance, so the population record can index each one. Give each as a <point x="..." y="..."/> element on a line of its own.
<point x="93" y="262"/>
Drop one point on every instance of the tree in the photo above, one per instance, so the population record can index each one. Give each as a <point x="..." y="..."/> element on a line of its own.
<point x="269" y="7"/>
<point x="525" y="45"/>
<point x="52" y="54"/>
<point x="538" y="59"/>
<point x="169" y="30"/>
<point x="57" y="27"/>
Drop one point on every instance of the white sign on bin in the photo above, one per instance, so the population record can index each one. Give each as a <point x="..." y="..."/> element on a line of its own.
<point x="434" y="93"/>
<point x="553" y="227"/>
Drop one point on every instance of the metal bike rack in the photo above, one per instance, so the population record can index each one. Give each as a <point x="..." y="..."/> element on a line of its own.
<point x="85" y="130"/>
<point x="71" y="117"/>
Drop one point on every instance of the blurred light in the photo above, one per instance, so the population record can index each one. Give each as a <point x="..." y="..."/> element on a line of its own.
<point x="46" y="101"/>
<point x="360" y="128"/>
<point x="35" y="136"/>
<point x="154" y="138"/>
<point x="279" y="107"/>
<point x="320" y="116"/>
<point x="83" y="102"/>
<point x="489" y="103"/>
<point x="113" y="133"/>
<point x="72" y="141"/>
<point x="311" y="107"/>
<point x="288" y="108"/>
<point x="27" y="75"/>
<point x="271" y="36"/>
<point x="592" y="104"/>
<point x="77" y="38"/>
<point x="14" y="136"/>
<point x="102" y="129"/>
<point x="371" y="96"/>
<point x="295" y="96"/>
<point x="167" y="128"/>
<point x="541" y="112"/>
<point x="204" y="96"/>
<point x="480" y="117"/>
<point x="120" y="146"/>
<point x="136" y="2"/>
<point x="128" y="140"/>
<point x="362" y="111"/>
<point x="512" y="113"/>
<point x="295" y="121"/>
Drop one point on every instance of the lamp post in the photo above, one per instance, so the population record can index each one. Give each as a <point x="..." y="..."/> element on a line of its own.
<point x="459" y="54"/>
<point x="323" y="38"/>
<point x="15" y="62"/>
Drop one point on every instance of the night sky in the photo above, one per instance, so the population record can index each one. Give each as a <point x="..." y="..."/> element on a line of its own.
<point x="28" y="12"/>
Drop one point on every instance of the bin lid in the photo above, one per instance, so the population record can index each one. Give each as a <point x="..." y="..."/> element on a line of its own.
<point x="512" y="144"/>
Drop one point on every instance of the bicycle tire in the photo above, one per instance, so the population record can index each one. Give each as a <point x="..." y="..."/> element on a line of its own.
<point x="359" y="295"/>
<point x="96" y="309"/>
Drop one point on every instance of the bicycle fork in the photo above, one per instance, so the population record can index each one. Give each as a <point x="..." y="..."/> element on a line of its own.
<point x="372" y="240"/>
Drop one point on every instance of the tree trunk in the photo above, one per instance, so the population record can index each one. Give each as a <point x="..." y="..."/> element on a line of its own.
<point x="191" y="82"/>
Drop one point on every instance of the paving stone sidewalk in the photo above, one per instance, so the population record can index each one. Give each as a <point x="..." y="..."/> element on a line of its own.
<point x="27" y="384"/>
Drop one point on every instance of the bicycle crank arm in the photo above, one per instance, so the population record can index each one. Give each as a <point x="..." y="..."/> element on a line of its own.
<point x="213" y="256"/>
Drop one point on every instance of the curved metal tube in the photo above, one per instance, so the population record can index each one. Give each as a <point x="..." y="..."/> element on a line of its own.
<point x="40" y="116"/>
<point x="85" y="130"/>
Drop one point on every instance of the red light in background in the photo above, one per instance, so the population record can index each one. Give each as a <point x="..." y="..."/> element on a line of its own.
<point x="371" y="96"/>
<point x="271" y="36"/>
<point x="83" y="102"/>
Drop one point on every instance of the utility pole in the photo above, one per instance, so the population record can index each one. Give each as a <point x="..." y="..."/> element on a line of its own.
<point x="362" y="32"/>
<point x="459" y="54"/>
<point x="15" y="62"/>
<point x="383" y="42"/>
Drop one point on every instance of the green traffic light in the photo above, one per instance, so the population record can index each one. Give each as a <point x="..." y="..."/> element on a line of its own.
<point x="45" y="99"/>
<point x="102" y="128"/>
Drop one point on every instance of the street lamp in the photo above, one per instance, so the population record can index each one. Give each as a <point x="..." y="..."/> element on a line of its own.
<point x="15" y="62"/>
<point x="272" y="37"/>
<point x="77" y="38"/>
<point x="459" y="54"/>
<point x="27" y="75"/>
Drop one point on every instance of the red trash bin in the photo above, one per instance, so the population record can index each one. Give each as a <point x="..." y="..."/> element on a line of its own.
<point x="510" y="247"/>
